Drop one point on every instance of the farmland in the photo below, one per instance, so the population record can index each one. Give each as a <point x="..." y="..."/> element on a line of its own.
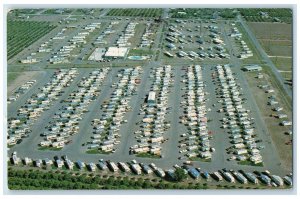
<point x="267" y="15"/>
<point x="276" y="39"/>
<point x="134" y="12"/>
<point x="22" y="34"/>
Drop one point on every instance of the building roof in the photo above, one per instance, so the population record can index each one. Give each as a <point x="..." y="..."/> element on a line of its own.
<point x="151" y="96"/>
<point x="253" y="67"/>
<point x="116" y="52"/>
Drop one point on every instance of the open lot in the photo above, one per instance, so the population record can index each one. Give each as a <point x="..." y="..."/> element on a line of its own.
<point x="16" y="79"/>
<point x="161" y="93"/>
<point x="277" y="132"/>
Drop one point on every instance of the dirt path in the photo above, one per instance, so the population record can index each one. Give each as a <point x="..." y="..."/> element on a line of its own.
<point x="287" y="57"/>
<point x="21" y="79"/>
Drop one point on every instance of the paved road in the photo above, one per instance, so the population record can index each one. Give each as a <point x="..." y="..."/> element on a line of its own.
<point x="220" y="137"/>
<point x="170" y="150"/>
<point x="265" y="57"/>
<point x="166" y="13"/>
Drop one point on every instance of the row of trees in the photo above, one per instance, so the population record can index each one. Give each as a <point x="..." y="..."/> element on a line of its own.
<point x="134" y="12"/>
<point x="275" y="14"/>
<point x="21" y="34"/>
<point x="40" y="180"/>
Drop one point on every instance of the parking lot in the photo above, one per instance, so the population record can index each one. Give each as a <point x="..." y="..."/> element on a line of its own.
<point x="194" y="107"/>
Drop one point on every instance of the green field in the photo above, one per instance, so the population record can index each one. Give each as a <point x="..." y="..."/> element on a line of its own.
<point x="96" y="151"/>
<point x="134" y="12"/>
<point x="49" y="148"/>
<point x="11" y="76"/>
<point x="21" y="34"/>
<point x="147" y="155"/>
<point x="140" y="52"/>
<point x="284" y="64"/>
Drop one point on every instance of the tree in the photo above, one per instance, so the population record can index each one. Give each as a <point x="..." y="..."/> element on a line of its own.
<point x="179" y="175"/>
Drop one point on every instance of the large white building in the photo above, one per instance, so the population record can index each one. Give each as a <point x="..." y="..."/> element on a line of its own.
<point x="116" y="52"/>
<point x="151" y="97"/>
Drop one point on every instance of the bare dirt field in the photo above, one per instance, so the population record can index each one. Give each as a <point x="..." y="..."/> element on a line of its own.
<point x="15" y="80"/>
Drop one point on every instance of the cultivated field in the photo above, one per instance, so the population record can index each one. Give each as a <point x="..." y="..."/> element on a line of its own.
<point x="273" y="31"/>
<point x="21" y="34"/>
<point x="276" y="39"/>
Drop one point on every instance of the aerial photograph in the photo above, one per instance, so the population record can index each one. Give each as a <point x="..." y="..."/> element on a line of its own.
<point x="149" y="99"/>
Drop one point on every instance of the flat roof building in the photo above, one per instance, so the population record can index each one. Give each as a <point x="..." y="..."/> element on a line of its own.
<point x="116" y="52"/>
<point x="151" y="97"/>
<point x="252" y="68"/>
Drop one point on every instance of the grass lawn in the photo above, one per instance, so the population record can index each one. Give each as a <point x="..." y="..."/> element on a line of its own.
<point x="11" y="76"/>
<point x="44" y="148"/>
<point x="200" y="159"/>
<point x="247" y="162"/>
<point x="275" y="48"/>
<point x="96" y="151"/>
<point x="140" y="52"/>
<point x="147" y="155"/>
<point x="287" y="75"/>
<point x="138" y="33"/>
<point x="285" y="64"/>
